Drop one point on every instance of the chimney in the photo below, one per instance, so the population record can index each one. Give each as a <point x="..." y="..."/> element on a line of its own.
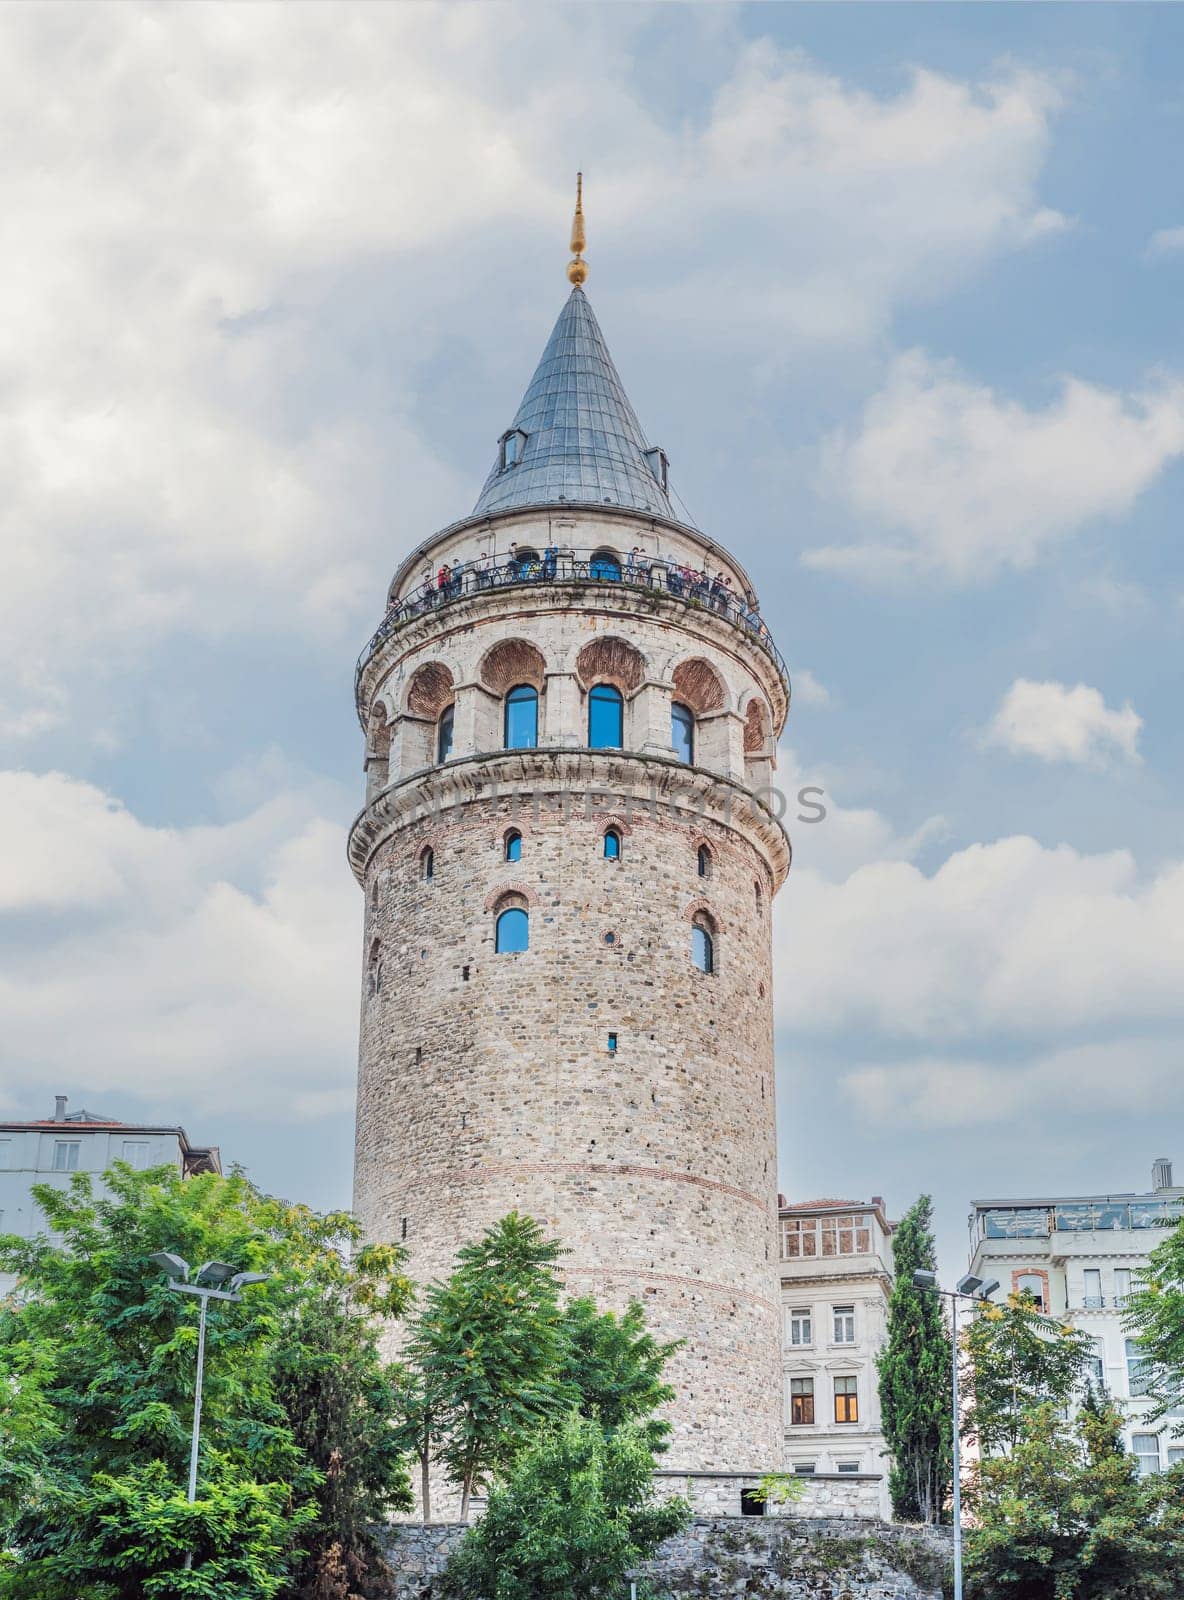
<point x="1161" y="1174"/>
<point x="782" y="1202"/>
<point x="59" y="1108"/>
<point x="878" y="1201"/>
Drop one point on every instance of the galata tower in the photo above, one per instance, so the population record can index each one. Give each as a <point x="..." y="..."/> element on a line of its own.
<point x="569" y="852"/>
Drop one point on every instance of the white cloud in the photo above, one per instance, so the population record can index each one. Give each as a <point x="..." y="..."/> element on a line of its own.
<point x="807" y="690"/>
<point x="966" y="483"/>
<point x="213" y="964"/>
<point x="1165" y="242"/>
<point x="1056" y="723"/>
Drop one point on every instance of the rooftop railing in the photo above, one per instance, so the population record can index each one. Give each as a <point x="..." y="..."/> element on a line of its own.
<point x="698" y="589"/>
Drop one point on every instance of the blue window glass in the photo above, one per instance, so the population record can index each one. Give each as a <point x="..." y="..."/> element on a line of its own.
<point x="605" y="566"/>
<point x="512" y="932"/>
<point x="513" y="847"/>
<point x="522" y="718"/>
<point x="612" y="845"/>
<point x="444" y="733"/>
<point x="606" y="718"/>
<point x="702" y="948"/>
<point x="682" y="732"/>
<point x="704" y="861"/>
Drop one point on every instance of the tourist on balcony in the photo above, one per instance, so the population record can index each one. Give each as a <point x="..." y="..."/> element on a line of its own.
<point x="550" y="561"/>
<point x="483" y="568"/>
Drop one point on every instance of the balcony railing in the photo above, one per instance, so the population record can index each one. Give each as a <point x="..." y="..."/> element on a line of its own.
<point x="653" y="574"/>
<point x="1102" y="1302"/>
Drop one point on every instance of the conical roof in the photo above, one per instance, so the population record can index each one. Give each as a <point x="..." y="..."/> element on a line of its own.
<point x="583" y="441"/>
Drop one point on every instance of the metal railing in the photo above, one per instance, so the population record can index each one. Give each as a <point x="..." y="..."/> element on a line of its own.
<point x="697" y="589"/>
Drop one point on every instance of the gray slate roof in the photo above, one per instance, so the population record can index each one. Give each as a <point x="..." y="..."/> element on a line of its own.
<point x="584" y="443"/>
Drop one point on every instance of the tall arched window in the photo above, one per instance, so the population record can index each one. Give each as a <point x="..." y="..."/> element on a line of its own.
<point x="511" y="931"/>
<point x="605" y="566"/>
<point x="704" y="861"/>
<point x="612" y="845"/>
<point x="513" y="844"/>
<point x="522" y="718"/>
<point x="427" y="864"/>
<point x="703" y="943"/>
<point x="682" y="732"/>
<point x="374" y="968"/>
<point x="444" y="733"/>
<point x="606" y="718"/>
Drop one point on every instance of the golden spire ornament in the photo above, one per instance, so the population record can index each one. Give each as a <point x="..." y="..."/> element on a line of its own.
<point x="577" y="267"/>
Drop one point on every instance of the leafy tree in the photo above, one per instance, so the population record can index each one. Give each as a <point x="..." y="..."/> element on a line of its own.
<point x="1065" y="1516"/>
<point x="97" y="1366"/>
<point x="915" y="1377"/>
<point x="1017" y="1358"/>
<point x="489" y="1347"/>
<point x="614" y="1365"/>
<point x="1155" y="1315"/>
<point x="575" y="1514"/>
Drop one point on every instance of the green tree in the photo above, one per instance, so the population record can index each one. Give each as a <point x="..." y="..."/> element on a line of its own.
<point x="488" y="1346"/>
<point x="915" y="1378"/>
<point x="97" y="1366"/>
<point x="1065" y="1516"/>
<point x="615" y="1365"/>
<point x="1155" y="1315"/>
<point x="575" y="1515"/>
<point x="1017" y="1358"/>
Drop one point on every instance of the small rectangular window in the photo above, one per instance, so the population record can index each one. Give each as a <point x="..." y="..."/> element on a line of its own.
<point x="801" y="1401"/>
<point x="803" y="1469"/>
<point x="846" y="1400"/>
<point x="848" y="1466"/>
<point x="612" y="1044"/>
<point x="464" y="974"/>
<point x="65" y="1155"/>
<point x="135" y="1153"/>
<point x="800" y="1332"/>
<point x="752" y="1502"/>
<point x="1146" y="1447"/>
<point x="844" y="1324"/>
<point x="403" y="1230"/>
<point x="419" y="1055"/>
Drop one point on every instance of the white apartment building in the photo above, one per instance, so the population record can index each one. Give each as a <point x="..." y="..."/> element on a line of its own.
<point x="81" y="1141"/>
<point x="836" y="1275"/>
<point x="1080" y="1255"/>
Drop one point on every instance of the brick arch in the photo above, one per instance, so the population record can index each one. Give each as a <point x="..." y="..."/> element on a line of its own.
<point x="702" y="908"/>
<point x="611" y="660"/>
<point x="432" y="687"/>
<point x="758" y="725"/>
<point x="495" y="899"/>
<point x="511" y="662"/>
<point x="698" y="685"/>
<point x="605" y="820"/>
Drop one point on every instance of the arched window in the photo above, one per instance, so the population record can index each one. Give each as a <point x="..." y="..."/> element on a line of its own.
<point x="760" y="899"/>
<point x="606" y="718"/>
<point x="612" y="845"/>
<point x="511" y="931"/>
<point x="374" y="968"/>
<point x="704" y="861"/>
<point x="605" y="566"/>
<point x="682" y="732"/>
<point x="513" y="844"/>
<point x="522" y="718"/>
<point x="444" y="733"/>
<point x="427" y="864"/>
<point x="703" y="944"/>
<point x="374" y="895"/>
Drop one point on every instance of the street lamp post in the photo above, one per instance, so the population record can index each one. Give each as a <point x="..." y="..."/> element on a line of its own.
<point x="206" y="1285"/>
<point x="977" y="1290"/>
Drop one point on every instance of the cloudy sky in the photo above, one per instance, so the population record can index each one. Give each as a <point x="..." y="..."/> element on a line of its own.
<point x="898" y="289"/>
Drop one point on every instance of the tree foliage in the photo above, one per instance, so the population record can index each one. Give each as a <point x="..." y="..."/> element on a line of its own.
<point x="97" y="1367"/>
<point x="573" y="1517"/>
<point x="915" y="1377"/>
<point x="1155" y="1315"/>
<point x="1064" y="1515"/>
<point x="1016" y="1359"/>
<point x="614" y="1366"/>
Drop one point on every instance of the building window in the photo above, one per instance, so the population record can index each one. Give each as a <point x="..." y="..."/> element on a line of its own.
<point x="801" y="1401"/>
<point x="682" y="732"/>
<point x="847" y="1466"/>
<point x="1122" y="1285"/>
<point x="605" y="566"/>
<point x="65" y="1155"/>
<point x="844" y="1324"/>
<point x="374" y="968"/>
<point x="512" y="931"/>
<point x="752" y="1502"/>
<point x="1092" y="1299"/>
<point x="512" y="444"/>
<point x="1146" y="1448"/>
<point x="522" y="718"/>
<point x="1096" y="1365"/>
<point x="1031" y="1283"/>
<point x="799" y="1237"/>
<point x="606" y="718"/>
<point x="1138" y="1369"/>
<point x="612" y="1044"/>
<point x="135" y="1153"/>
<point x="1175" y="1451"/>
<point x="703" y="861"/>
<point x="845" y="1236"/>
<point x="612" y="845"/>
<point x="846" y="1400"/>
<point x="703" y="944"/>
<point x="803" y="1469"/>
<point x="759" y="898"/>
<point x="800" y="1331"/>
<point x="444" y="733"/>
<point x="513" y="845"/>
<point x="427" y="865"/>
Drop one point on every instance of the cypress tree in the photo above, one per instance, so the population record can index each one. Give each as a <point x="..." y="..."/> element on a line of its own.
<point x="914" y="1369"/>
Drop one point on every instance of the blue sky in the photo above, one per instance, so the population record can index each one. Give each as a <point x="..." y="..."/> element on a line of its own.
<point x="897" y="287"/>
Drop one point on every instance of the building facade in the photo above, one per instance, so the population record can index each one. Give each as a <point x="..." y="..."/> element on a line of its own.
<point x="836" y="1276"/>
<point x="1080" y="1256"/>
<point x="50" y="1151"/>
<point x="569" y="854"/>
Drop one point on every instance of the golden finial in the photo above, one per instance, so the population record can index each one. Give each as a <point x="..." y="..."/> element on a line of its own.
<point x="577" y="267"/>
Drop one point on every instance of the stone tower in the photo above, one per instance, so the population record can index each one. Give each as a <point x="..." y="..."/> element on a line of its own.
<point x="569" y="852"/>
